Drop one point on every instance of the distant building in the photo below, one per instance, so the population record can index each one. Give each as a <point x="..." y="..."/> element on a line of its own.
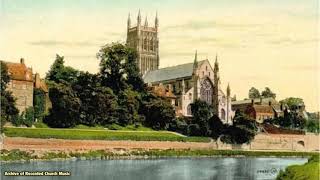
<point x="22" y="84"/>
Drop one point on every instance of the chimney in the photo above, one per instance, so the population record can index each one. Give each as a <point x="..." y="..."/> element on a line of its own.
<point x="252" y="101"/>
<point x="21" y="61"/>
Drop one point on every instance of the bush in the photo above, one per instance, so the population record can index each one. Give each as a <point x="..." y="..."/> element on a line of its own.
<point x="194" y="130"/>
<point x="25" y="118"/>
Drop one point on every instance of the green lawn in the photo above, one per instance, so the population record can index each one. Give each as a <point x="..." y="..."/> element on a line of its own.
<point x="86" y="134"/>
<point x="308" y="171"/>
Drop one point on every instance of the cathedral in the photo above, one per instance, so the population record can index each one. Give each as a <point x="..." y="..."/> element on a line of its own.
<point x="187" y="82"/>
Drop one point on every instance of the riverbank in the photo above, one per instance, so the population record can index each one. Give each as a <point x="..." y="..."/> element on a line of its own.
<point x="309" y="170"/>
<point x="27" y="156"/>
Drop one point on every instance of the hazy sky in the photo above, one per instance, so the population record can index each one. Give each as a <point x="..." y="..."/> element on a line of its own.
<point x="259" y="43"/>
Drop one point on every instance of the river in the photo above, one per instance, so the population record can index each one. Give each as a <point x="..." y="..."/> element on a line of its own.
<point x="157" y="169"/>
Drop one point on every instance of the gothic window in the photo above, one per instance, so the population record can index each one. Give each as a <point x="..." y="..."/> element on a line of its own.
<point x="189" y="110"/>
<point x="223" y="114"/>
<point x="206" y="68"/>
<point x="145" y="44"/>
<point x="151" y="45"/>
<point x="190" y="96"/>
<point x="209" y="74"/>
<point x="206" y="91"/>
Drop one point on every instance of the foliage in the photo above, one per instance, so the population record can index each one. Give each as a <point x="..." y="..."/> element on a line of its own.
<point x="8" y="109"/>
<point x="25" y="118"/>
<point x="129" y="101"/>
<point x="254" y="93"/>
<point x="309" y="170"/>
<point x="65" y="107"/>
<point x="267" y="93"/>
<point x="180" y="125"/>
<point x="59" y="73"/>
<point x="201" y="112"/>
<point x="158" y="112"/>
<point x="98" y="103"/>
<point x="293" y="103"/>
<point x="40" y="125"/>
<point x="100" y="135"/>
<point x="313" y="126"/>
<point x="39" y="103"/>
<point x="243" y="130"/>
<point x="216" y="127"/>
<point x="112" y="63"/>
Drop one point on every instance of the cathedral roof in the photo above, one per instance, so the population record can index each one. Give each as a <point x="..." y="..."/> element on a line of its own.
<point x="170" y="73"/>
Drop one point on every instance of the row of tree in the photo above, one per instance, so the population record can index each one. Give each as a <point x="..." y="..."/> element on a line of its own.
<point x="116" y="94"/>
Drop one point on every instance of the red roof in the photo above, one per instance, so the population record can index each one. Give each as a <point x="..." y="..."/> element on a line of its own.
<point x="19" y="71"/>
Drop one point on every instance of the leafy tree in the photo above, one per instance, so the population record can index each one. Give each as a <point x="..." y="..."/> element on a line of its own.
<point x="201" y="112"/>
<point x="254" y="93"/>
<point x="313" y="126"/>
<point x="39" y="103"/>
<point x="59" y="73"/>
<point x="98" y="103"/>
<point x="112" y="63"/>
<point x="65" y="107"/>
<point x="293" y="103"/>
<point x="242" y="131"/>
<point x="132" y="71"/>
<point x="267" y="93"/>
<point x="216" y="127"/>
<point x="158" y="112"/>
<point x="129" y="102"/>
<point x="8" y="109"/>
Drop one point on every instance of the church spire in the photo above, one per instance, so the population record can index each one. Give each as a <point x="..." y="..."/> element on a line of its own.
<point x="129" y="21"/>
<point x="156" y="22"/>
<point x="195" y="63"/>
<point x="216" y="64"/>
<point x="146" y="22"/>
<point x="228" y="90"/>
<point x="139" y="18"/>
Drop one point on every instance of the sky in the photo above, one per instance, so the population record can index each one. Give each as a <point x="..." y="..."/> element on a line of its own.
<point x="259" y="43"/>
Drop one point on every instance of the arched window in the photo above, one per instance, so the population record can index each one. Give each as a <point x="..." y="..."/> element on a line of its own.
<point x="145" y="44"/>
<point x="151" y="45"/>
<point x="223" y="114"/>
<point x="190" y="96"/>
<point x="189" y="112"/>
<point x="206" y="91"/>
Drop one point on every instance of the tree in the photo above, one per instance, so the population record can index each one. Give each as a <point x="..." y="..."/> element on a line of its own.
<point x="133" y="74"/>
<point x="129" y="102"/>
<point x="242" y="131"/>
<point x="293" y="103"/>
<point x="313" y="126"/>
<point x="254" y="93"/>
<point x="65" y="107"/>
<point x="112" y="63"/>
<point x="98" y="103"/>
<point x="267" y="93"/>
<point x="59" y="73"/>
<point x="39" y="103"/>
<point x="216" y="127"/>
<point x="158" y="112"/>
<point x="8" y="109"/>
<point x="201" y="112"/>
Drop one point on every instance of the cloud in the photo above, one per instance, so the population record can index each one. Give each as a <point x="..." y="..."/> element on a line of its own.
<point x="64" y="43"/>
<point x="197" y="25"/>
<point x="288" y="40"/>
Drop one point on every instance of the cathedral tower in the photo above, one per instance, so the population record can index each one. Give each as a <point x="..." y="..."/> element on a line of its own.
<point x="144" y="40"/>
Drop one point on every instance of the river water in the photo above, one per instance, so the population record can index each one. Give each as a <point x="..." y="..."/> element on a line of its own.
<point x="220" y="168"/>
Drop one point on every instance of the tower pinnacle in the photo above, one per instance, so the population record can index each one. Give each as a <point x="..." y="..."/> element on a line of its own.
<point x="146" y="22"/>
<point x="139" y="18"/>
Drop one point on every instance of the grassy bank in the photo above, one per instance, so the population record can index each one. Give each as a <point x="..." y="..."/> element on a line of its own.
<point x="310" y="171"/>
<point x="85" y="134"/>
<point x="16" y="155"/>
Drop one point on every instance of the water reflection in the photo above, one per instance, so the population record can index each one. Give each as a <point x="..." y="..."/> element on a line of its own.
<point x="160" y="169"/>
